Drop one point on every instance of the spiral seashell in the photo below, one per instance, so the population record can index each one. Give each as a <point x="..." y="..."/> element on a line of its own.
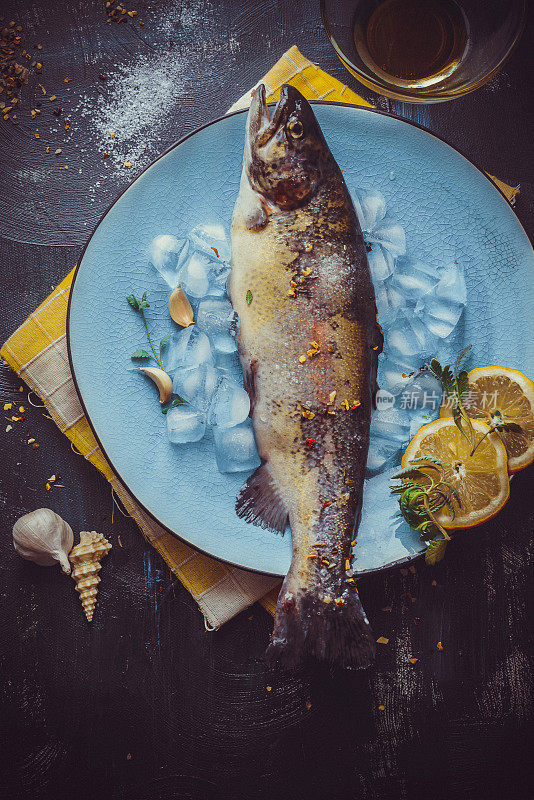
<point x="85" y="559"/>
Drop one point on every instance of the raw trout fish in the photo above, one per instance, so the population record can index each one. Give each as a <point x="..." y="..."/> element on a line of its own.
<point x="308" y="342"/>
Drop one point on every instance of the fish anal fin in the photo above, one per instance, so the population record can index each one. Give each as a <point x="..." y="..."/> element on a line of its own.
<point x="259" y="501"/>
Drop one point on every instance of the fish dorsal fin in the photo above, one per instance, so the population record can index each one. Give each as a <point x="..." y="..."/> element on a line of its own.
<point x="259" y="501"/>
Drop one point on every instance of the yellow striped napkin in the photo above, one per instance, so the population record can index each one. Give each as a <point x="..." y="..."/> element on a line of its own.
<point x="37" y="352"/>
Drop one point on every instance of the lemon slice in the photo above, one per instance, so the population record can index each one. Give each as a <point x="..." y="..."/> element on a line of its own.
<point x="499" y="393"/>
<point x="481" y="479"/>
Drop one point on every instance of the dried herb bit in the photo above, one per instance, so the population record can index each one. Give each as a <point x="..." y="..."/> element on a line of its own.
<point x="139" y="306"/>
<point x="422" y="493"/>
<point x="249" y="297"/>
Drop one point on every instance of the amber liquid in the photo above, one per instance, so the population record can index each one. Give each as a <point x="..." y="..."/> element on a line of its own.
<point x="411" y="43"/>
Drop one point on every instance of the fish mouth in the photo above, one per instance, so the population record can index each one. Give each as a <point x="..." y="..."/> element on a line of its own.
<point x="261" y="126"/>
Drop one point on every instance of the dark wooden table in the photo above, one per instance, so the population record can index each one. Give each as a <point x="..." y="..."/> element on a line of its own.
<point x="144" y="703"/>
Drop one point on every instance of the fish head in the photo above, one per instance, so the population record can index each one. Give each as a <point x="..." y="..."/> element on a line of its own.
<point x="285" y="155"/>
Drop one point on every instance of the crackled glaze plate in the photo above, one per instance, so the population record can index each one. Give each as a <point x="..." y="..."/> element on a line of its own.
<point x="445" y="205"/>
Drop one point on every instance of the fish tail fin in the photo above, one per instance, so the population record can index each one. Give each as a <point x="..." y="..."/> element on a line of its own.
<point x="306" y="627"/>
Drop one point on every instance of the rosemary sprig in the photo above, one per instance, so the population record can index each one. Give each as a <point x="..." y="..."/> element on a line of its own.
<point x="422" y="493"/>
<point x="456" y="386"/>
<point x="139" y="306"/>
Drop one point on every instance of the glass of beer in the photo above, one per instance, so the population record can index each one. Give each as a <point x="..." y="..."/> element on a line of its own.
<point x="423" y="51"/>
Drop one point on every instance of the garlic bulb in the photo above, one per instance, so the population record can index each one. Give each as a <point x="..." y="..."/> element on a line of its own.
<point x="43" y="537"/>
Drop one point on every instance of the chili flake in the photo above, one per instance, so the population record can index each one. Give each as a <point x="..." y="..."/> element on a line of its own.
<point x="302" y="359"/>
<point x="215" y="251"/>
<point x="310" y="442"/>
<point x="382" y="640"/>
<point x="67" y="80"/>
<point x="339" y="601"/>
<point x="308" y="414"/>
<point x="308" y="705"/>
<point x="268" y="688"/>
<point x="439" y="646"/>
<point x="358" y="403"/>
<point x="8" y="406"/>
<point x="349" y="580"/>
<point x="353" y="543"/>
<point x="327" y="503"/>
<point x="35" y="445"/>
<point x="413" y="660"/>
<point x="21" y="409"/>
<point x="381" y="708"/>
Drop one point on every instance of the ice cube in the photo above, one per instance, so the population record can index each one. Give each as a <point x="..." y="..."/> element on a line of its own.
<point x="396" y="372"/>
<point x="388" y="301"/>
<point x="381" y="262"/>
<point x="217" y="318"/>
<point x="196" y="385"/>
<point x="414" y="278"/>
<point x="219" y="274"/>
<point x="187" y="348"/>
<point x="390" y="235"/>
<point x="166" y="255"/>
<point x="235" y="448"/>
<point x="195" y="275"/>
<point x="370" y="207"/>
<point x="407" y="336"/>
<point x="209" y="237"/>
<point x="229" y="405"/>
<point x="185" y="424"/>
<point x="440" y="310"/>
<point x="390" y="431"/>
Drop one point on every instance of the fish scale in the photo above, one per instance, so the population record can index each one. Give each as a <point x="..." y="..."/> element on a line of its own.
<point x="308" y="343"/>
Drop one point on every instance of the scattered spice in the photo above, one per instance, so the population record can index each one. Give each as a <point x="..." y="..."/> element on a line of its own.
<point x="308" y="705"/>
<point x="387" y="608"/>
<point x="381" y="708"/>
<point x="353" y="543"/>
<point x="67" y="80"/>
<point x="35" y="446"/>
<point x="339" y="601"/>
<point x="310" y="442"/>
<point x="52" y="98"/>
<point x="268" y="688"/>
<point x="302" y="359"/>
<point x="413" y="660"/>
<point x="248" y="297"/>
<point x="8" y="406"/>
<point x="382" y="640"/>
<point x="128" y="164"/>
<point x="307" y="414"/>
<point x="215" y="251"/>
<point x="439" y="646"/>
<point x="434" y="583"/>
<point x="327" y="503"/>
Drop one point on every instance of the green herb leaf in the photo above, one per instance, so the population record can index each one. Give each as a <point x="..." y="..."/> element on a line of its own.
<point x="460" y="357"/>
<point x="164" y="342"/>
<point x="176" y="401"/>
<point x="133" y="301"/>
<point x="435" y="551"/>
<point x="141" y="354"/>
<point x="249" y="297"/>
<point x="144" y="296"/>
<point x="462" y="384"/>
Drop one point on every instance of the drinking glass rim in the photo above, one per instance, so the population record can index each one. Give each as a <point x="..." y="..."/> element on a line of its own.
<point x="374" y="83"/>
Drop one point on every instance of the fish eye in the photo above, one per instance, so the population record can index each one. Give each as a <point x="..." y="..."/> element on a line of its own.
<point x="295" y="128"/>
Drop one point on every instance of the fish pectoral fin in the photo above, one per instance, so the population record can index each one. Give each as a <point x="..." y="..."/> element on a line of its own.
<point x="259" y="501"/>
<point x="257" y="212"/>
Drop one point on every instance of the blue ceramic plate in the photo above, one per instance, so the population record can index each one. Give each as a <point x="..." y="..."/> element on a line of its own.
<point x="445" y="204"/>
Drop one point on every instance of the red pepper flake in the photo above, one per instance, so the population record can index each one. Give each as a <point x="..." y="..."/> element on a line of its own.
<point x="356" y="405"/>
<point x="327" y="503"/>
<point x="40" y="85"/>
<point x="308" y="705"/>
<point x="353" y="543"/>
<point x="35" y="445"/>
<point x="416" y="621"/>
<point x="325" y="561"/>
<point x="67" y="80"/>
<point x="347" y="563"/>
<point x="368" y="247"/>
<point x="382" y="640"/>
<point x="106" y="155"/>
<point x="311" y="443"/>
<point x="48" y="487"/>
<point x="439" y="646"/>
<point x="349" y="580"/>
<point x="215" y="251"/>
<point x="381" y="708"/>
<point x="339" y="601"/>
<point x="413" y="660"/>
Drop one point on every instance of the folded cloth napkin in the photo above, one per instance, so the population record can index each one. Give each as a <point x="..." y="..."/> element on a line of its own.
<point x="37" y="351"/>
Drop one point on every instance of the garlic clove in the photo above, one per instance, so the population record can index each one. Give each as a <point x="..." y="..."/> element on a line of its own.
<point x="44" y="538"/>
<point x="180" y="308"/>
<point x="85" y="559"/>
<point x="162" y="381"/>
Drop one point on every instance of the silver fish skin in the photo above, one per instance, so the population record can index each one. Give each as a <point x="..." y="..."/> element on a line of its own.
<point x="308" y="342"/>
